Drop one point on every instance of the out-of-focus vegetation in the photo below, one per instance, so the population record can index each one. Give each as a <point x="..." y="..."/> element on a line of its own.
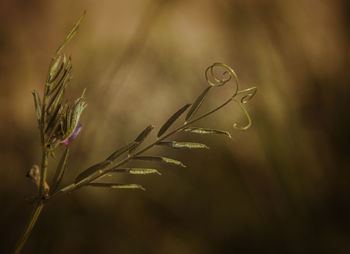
<point x="280" y="187"/>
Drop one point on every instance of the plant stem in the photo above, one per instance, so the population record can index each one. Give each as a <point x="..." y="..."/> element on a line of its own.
<point x="41" y="195"/>
<point x="43" y="172"/>
<point x="75" y="187"/>
<point x="33" y="219"/>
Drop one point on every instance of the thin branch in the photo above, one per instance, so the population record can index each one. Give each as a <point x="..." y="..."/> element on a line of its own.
<point x="74" y="187"/>
<point x="33" y="218"/>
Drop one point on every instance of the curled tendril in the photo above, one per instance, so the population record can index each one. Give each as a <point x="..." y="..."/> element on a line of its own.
<point x="247" y="126"/>
<point x="215" y="81"/>
<point x="245" y="99"/>
<point x="251" y="92"/>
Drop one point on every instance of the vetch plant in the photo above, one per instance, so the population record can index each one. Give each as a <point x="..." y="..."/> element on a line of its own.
<point x="59" y="124"/>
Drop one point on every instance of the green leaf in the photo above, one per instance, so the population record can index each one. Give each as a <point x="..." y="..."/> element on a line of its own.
<point x="142" y="136"/>
<point x="52" y="131"/>
<point x="122" y="150"/>
<point x="67" y="122"/>
<point x="117" y="186"/>
<point x="68" y="188"/>
<point x="91" y="170"/>
<point x="172" y="119"/>
<point x="71" y="34"/>
<point x="62" y="84"/>
<point x="77" y="109"/>
<point x="190" y="145"/>
<point x="61" y="167"/>
<point x="204" y="131"/>
<point x="62" y="74"/>
<point x="54" y="118"/>
<point x="56" y="68"/>
<point x="159" y="159"/>
<point x="198" y="102"/>
<point x="37" y="104"/>
<point x="136" y="171"/>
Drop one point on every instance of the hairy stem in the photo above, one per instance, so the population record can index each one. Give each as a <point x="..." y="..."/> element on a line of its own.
<point x="33" y="219"/>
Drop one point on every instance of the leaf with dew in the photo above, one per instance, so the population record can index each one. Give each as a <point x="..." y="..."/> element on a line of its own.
<point x="135" y="171"/>
<point x="204" y="131"/>
<point x="160" y="159"/>
<point x="117" y="186"/>
<point x="189" y="145"/>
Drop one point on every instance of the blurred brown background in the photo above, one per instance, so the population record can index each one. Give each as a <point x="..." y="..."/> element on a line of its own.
<point x="280" y="187"/>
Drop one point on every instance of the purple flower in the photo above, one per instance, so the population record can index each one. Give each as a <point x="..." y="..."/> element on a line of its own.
<point x="75" y="133"/>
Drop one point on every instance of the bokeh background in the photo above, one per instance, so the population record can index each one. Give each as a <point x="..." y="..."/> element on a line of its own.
<point x="281" y="187"/>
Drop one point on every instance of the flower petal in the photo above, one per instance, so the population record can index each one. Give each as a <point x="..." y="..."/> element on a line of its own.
<point x="75" y="133"/>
